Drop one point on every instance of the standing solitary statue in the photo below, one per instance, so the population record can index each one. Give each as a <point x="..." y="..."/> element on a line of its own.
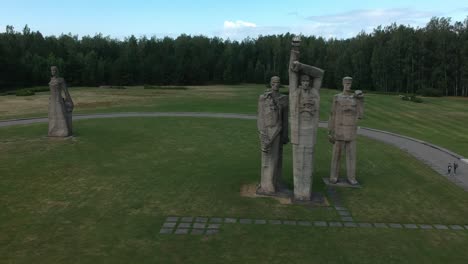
<point x="60" y="108"/>
<point x="304" y="107"/>
<point x="272" y="124"/>
<point x="346" y="109"/>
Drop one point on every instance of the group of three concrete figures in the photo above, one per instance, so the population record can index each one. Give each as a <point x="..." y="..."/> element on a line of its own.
<point x="302" y="105"/>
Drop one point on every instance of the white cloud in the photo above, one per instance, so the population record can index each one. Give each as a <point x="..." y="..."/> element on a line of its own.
<point x="349" y="24"/>
<point x="238" y="30"/>
<point x="339" y="25"/>
<point x="238" y="24"/>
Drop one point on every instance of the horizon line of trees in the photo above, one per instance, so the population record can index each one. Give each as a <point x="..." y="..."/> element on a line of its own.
<point x="394" y="58"/>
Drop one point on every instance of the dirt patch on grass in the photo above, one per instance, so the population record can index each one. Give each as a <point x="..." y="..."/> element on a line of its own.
<point x="250" y="190"/>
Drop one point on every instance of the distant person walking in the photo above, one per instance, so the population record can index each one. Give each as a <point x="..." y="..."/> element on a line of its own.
<point x="455" y="166"/>
<point x="449" y="169"/>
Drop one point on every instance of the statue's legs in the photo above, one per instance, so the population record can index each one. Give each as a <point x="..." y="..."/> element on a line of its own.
<point x="269" y="168"/>
<point x="302" y="162"/>
<point x="351" y="161"/>
<point x="335" y="162"/>
<point x="279" y="168"/>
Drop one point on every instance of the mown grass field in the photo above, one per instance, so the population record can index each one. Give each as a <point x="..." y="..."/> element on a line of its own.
<point x="102" y="197"/>
<point x="441" y="121"/>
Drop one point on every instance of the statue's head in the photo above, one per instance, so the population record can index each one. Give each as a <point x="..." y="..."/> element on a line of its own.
<point x="54" y="71"/>
<point x="347" y="82"/>
<point x="275" y="83"/>
<point x="305" y="81"/>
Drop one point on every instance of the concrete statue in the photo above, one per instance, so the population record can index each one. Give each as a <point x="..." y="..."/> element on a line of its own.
<point x="347" y="108"/>
<point x="304" y="100"/>
<point x="272" y="124"/>
<point x="60" y="106"/>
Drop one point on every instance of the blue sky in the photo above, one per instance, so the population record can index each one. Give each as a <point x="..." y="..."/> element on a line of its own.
<point x="232" y="19"/>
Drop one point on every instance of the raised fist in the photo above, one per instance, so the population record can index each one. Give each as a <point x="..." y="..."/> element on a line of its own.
<point x="296" y="41"/>
<point x="359" y="93"/>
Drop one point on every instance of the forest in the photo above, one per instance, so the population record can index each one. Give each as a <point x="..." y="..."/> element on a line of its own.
<point x="429" y="60"/>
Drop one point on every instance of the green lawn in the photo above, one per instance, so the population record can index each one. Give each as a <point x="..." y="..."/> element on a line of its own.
<point x="103" y="196"/>
<point x="441" y="121"/>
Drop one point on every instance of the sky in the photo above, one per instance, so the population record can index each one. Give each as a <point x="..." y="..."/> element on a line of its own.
<point x="235" y="20"/>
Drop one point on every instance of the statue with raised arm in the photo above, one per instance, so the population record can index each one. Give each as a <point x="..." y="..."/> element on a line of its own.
<point x="272" y="124"/>
<point x="347" y="108"/>
<point x="304" y="101"/>
<point x="60" y="106"/>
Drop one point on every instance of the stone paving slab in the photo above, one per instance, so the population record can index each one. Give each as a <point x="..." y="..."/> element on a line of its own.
<point x="347" y="219"/>
<point x="260" y="221"/>
<point x="380" y="225"/>
<point x="456" y="227"/>
<point x="320" y="223"/>
<point x="339" y="208"/>
<point x="350" y="224"/>
<point x="169" y="225"/>
<point x="289" y="222"/>
<point x="214" y="226"/>
<point x="184" y="225"/>
<point x="344" y="213"/>
<point x="199" y="225"/>
<point x="172" y="219"/>
<point x="181" y="231"/>
<point x="186" y="219"/>
<point x="366" y="225"/>
<point x="304" y="223"/>
<point x="230" y="220"/>
<point x="274" y="222"/>
<point x="335" y="224"/>
<point x="216" y="220"/>
<point x="410" y="226"/>
<point x="423" y="226"/>
<point x="201" y="219"/>
<point x="441" y="227"/>
<point x="166" y="231"/>
<point x="395" y="225"/>
<point x="245" y="221"/>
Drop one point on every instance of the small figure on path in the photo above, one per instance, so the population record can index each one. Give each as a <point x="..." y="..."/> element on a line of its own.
<point x="60" y="108"/>
<point x="449" y="168"/>
<point x="346" y="109"/>
<point x="272" y="124"/>
<point x="455" y="166"/>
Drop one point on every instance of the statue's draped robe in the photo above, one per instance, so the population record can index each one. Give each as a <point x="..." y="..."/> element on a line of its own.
<point x="60" y="109"/>
<point x="272" y="124"/>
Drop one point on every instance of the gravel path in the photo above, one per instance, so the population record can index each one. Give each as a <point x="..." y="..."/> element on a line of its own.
<point x="434" y="156"/>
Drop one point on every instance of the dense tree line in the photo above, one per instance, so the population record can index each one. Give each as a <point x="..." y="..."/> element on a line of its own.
<point x="390" y="59"/>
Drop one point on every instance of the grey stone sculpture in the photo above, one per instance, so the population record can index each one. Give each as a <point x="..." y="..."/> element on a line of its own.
<point x="60" y="108"/>
<point x="346" y="109"/>
<point x="304" y="100"/>
<point x="272" y="124"/>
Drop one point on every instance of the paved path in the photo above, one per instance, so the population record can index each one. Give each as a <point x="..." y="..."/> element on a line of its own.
<point x="434" y="156"/>
<point x="183" y="225"/>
